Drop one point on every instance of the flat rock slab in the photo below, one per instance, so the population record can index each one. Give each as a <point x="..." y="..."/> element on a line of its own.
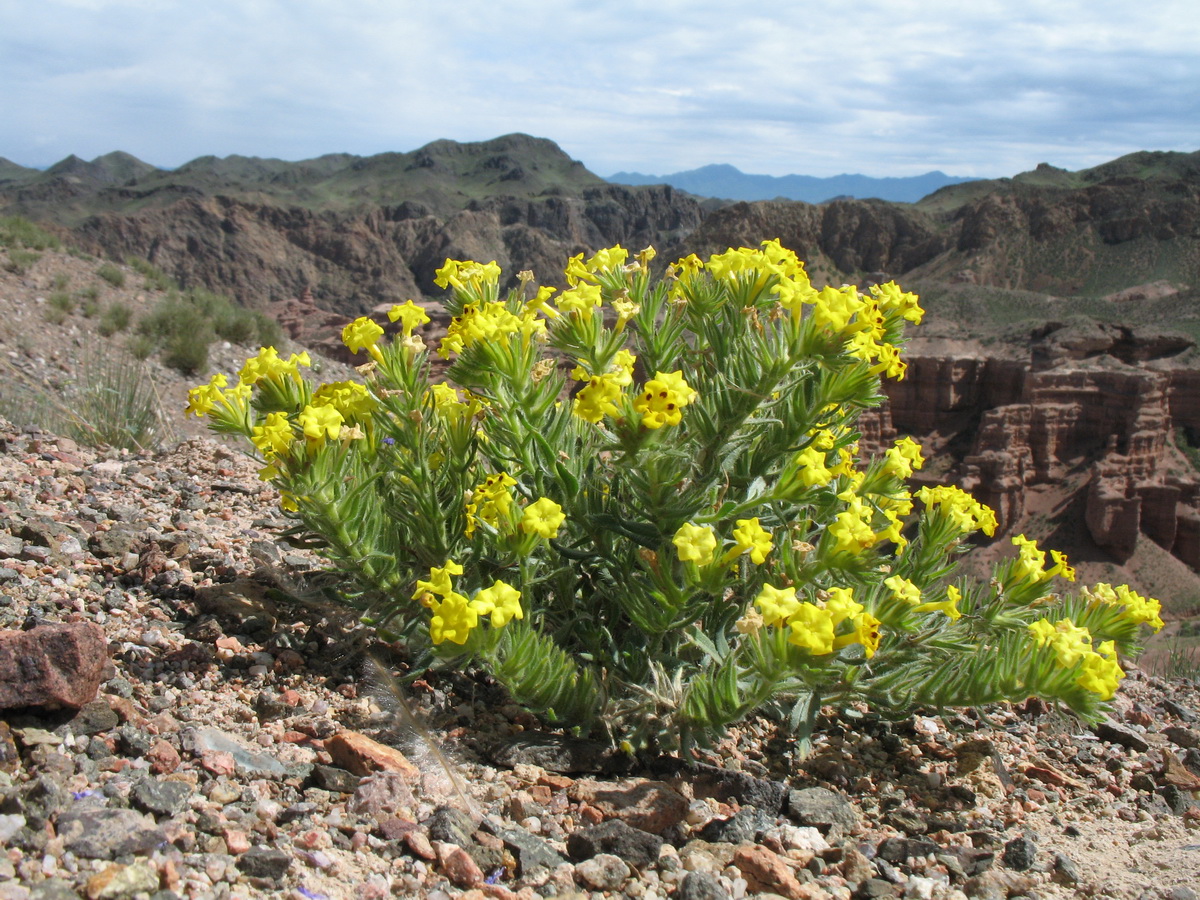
<point x="52" y="666"/>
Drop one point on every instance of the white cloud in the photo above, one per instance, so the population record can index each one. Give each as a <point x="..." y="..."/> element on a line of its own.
<point x="883" y="87"/>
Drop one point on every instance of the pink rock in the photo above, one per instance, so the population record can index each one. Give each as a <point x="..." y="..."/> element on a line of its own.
<point x="458" y="865"/>
<point x="52" y="666"/>
<point x="163" y="758"/>
<point x="361" y="755"/>
<point x="218" y="762"/>
<point x="237" y="841"/>
<point x="767" y="872"/>
<point x="652" y="806"/>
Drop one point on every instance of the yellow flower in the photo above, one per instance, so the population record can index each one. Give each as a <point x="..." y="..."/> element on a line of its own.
<point x="1061" y="566"/>
<point x="866" y="632"/>
<point x="902" y="458"/>
<point x="949" y="606"/>
<point x="695" y="543"/>
<point x="903" y="589"/>
<point x="439" y="582"/>
<point x="963" y="510"/>
<point x="625" y="309"/>
<point x="453" y="618"/>
<point x="501" y="601"/>
<point x="349" y="398"/>
<point x="202" y="398"/>
<point x="543" y="518"/>
<point x="320" y="422"/>
<point x="851" y="530"/>
<point x="1069" y="642"/>
<point x="274" y="436"/>
<point x="841" y="605"/>
<point x="267" y="364"/>
<point x="598" y="399"/>
<point x="811" y="629"/>
<point x="751" y="536"/>
<point x="812" y="469"/>
<point x="361" y="334"/>
<point x="663" y="398"/>
<point x="409" y="314"/>
<point x="579" y="299"/>
<point x="777" y="605"/>
<point x="1100" y="672"/>
<point x="1031" y="561"/>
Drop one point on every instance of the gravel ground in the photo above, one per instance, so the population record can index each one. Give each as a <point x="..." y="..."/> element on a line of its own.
<point x="237" y="747"/>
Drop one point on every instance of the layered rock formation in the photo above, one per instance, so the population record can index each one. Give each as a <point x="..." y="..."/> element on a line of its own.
<point x="1092" y="410"/>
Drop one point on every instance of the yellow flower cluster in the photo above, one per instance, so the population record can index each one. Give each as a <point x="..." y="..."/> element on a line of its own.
<point x="698" y="543"/>
<point x="205" y="398"/>
<point x="459" y="274"/>
<point x="1138" y="609"/>
<point x="1072" y="645"/>
<point x="267" y="364"/>
<point x="599" y="398"/>
<point x="814" y="626"/>
<point x="490" y="502"/>
<point x="454" y="615"/>
<point x="1031" y="562"/>
<point x="963" y="510"/>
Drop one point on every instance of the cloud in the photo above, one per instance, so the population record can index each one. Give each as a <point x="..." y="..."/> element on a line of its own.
<point x="892" y="87"/>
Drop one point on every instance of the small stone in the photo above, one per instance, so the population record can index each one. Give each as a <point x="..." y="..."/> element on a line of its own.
<point x="264" y="862"/>
<point x="530" y="850"/>
<point x="766" y="871"/>
<point x="1182" y="892"/>
<point x="1020" y="854"/>
<point x="361" y="755"/>
<point x="122" y="881"/>
<point x="163" y="758"/>
<point x="383" y="796"/>
<point x="743" y="827"/>
<point x="603" y="872"/>
<point x="458" y="865"/>
<point x="651" y="806"/>
<point x="638" y="848"/>
<point x="822" y="809"/>
<point x="701" y="886"/>
<point x="96" y="717"/>
<point x="907" y="820"/>
<point x="451" y="826"/>
<point x="1183" y="737"/>
<point x="1118" y="734"/>
<point x="332" y="778"/>
<point x="162" y="798"/>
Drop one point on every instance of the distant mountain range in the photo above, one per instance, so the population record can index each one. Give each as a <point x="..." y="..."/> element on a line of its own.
<point x="729" y="183"/>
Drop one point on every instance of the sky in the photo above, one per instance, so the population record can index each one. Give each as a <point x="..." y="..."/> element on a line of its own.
<point x="878" y="87"/>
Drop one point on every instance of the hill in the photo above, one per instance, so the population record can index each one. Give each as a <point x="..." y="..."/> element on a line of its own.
<point x="727" y="182"/>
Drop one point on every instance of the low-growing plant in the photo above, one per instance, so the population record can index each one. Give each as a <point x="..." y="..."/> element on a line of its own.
<point x="639" y="504"/>
<point x="89" y="293"/>
<point x="156" y="279"/>
<point x="112" y="274"/>
<point x="140" y="347"/>
<point x="21" y="261"/>
<point x="63" y="301"/>
<point x="61" y="280"/>
<point x="116" y="318"/>
<point x="16" y="231"/>
<point x="111" y="403"/>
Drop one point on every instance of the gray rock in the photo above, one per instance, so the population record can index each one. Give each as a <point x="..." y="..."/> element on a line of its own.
<point x="38" y="801"/>
<point x="1179" y="711"/>
<point x="96" y="717"/>
<point x="603" y="872"/>
<point x="108" y="833"/>
<point x="897" y="850"/>
<point x="162" y="798"/>
<point x="1065" y="871"/>
<point x="907" y="820"/>
<point x="638" y="848"/>
<point x="264" y="862"/>
<point x="1183" y="737"/>
<point x="821" y="808"/>
<point x="1182" y="892"/>
<point x="331" y="778"/>
<point x="744" y="826"/>
<point x="1020" y="853"/>
<point x="701" y="886"/>
<point x="876" y="889"/>
<point x="116" y="542"/>
<point x="1119" y="734"/>
<point x="53" y="889"/>
<point x="452" y="826"/>
<point x="10" y="546"/>
<point x="530" y="850"/>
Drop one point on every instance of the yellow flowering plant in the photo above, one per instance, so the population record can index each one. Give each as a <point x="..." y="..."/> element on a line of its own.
<point x="639" y="502"/>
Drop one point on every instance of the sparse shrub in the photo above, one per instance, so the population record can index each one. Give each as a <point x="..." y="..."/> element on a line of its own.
<point x="116" y="318"/>
<point x="62" y="300"/>
<point x="693" y="537"/>
<point x="54" y="315"/>
<point x="61" y="280"/>
<point x="91" y="292"/>
<point x="185" y="355"/>
<point x="140" y="346"/>
<point x="16" y="231"/>
<point x="21" y="261"/>
<point x="112" y="402"/>
<point x="112" y="274"/>
<point x="156" y="279"/>
<point x="89" y="308"/>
